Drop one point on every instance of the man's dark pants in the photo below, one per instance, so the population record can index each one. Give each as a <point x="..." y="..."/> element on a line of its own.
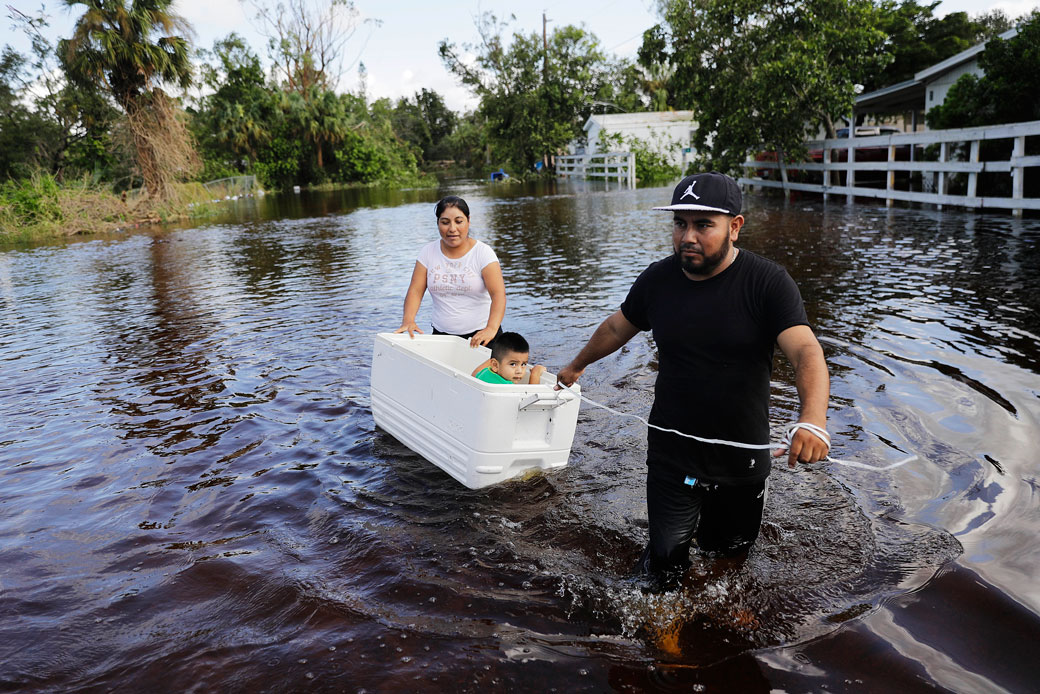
<point x="723" y="519"/>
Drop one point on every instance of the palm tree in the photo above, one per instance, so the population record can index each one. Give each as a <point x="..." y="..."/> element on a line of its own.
<point x="326" y="120"/>
<point x="114" y="46"/>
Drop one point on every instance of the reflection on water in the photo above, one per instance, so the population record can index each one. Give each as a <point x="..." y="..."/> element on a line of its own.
<point x="195" y="497"/>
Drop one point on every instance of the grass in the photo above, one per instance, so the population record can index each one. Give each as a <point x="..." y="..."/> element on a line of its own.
<point x="39" y="208"/>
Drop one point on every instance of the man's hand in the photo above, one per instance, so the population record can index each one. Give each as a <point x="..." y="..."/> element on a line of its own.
<point x="806" y="447"/>
<point x="568" y="376"/>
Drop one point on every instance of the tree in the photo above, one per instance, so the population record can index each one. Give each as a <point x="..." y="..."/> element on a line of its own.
<point x="17" y="124"/>
<point x="49" y="124"/>
<point x="112" y="46"/>
<point x="1006" y="92"/>
<point x="425" y="122"/>
<point x="761" y="73"/>
<point x="234" y="122"/>
<point x="917" y="39"/>
<point x="467" y="144"/>
<point x="370" y="150"/>
<point x="440" y="120"/>
<point x="307" y="40"/>
<point x="324" y="121"/>
<point x="534" y="96"/>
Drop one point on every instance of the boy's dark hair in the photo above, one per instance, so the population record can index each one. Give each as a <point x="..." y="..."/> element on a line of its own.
<point x="452" y="201"/>
<point x="509" y="342"/>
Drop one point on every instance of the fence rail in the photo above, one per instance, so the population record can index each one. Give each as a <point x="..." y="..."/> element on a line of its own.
<point x="607" y="165"/>
<point x="958" y="165"/>
<point x="233" y="187"/>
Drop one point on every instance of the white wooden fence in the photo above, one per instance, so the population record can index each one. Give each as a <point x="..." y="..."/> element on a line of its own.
<point x="607" y="165"/>
<point x="904" y="154"/>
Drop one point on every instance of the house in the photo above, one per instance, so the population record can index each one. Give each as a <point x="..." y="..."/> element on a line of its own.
<point x="667" y="132"/>
<point x="927" y="89"/>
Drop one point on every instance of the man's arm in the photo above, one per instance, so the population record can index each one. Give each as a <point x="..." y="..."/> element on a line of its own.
<point x="611" y="334"/>
<point x="813" y="382"/>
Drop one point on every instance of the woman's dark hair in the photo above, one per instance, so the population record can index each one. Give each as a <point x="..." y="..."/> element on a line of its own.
<point x="509" y="342"/>
<point x="451" y="201"/>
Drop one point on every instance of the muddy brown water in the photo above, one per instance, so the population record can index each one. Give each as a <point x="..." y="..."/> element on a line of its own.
<point x="194" y="497"/>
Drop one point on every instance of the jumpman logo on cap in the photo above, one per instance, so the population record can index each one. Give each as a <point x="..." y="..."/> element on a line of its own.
<point x="689" y="191"/>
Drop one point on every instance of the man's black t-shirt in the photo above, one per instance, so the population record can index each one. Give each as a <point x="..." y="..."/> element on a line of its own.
<point x="715" y="340"/>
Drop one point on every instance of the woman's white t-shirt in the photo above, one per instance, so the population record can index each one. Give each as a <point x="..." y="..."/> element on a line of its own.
<point x="461" y="302"/>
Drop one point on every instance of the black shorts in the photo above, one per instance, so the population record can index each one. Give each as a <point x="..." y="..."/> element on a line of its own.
<point x="723" y="519"/>
<point x="466" y="337"/>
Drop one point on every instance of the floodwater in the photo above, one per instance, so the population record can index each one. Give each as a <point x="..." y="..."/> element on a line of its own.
<point x="194" y="497"/>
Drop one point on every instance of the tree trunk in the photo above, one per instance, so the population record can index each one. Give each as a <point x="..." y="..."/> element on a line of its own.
<point x="163" y="145"/>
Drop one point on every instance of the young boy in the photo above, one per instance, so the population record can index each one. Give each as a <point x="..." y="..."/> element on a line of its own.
<point x="508" y="362"/>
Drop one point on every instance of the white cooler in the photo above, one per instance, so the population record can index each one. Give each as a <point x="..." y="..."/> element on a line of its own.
<point x="479" y="433"/>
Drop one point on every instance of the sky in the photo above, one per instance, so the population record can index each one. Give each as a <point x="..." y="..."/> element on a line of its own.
<point x="399" y="49"/>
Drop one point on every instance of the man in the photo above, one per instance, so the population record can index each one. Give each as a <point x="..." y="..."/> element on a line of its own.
<point x="716" y="312"/>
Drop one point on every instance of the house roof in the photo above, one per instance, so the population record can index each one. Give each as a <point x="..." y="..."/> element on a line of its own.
<point x="930" y="73"/>
<point x="897" y="97"/>
<point x="608" y="120"/>
<point x="910" y="94"/>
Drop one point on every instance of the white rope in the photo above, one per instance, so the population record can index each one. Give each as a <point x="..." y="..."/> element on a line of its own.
<point x="785" y="443"/>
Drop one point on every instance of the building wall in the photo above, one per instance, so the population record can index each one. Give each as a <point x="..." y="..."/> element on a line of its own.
<point x="936" y="90"/>
<point x="664" y="132"/>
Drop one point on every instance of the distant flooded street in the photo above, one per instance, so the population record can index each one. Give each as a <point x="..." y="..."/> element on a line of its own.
<point x="194" y="496"/>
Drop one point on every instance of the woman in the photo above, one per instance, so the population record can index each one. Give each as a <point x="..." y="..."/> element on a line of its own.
<point x="464" y="278"/>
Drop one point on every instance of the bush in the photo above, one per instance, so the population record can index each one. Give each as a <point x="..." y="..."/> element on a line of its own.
<point x="652" y="164"/>
<point x="278" y="166"/>
<point x="32" y="200"/>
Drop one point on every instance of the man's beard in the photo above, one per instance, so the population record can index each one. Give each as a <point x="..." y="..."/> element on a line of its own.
<point x="707" y="264"/>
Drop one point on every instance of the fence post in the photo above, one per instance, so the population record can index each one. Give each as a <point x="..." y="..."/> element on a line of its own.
<point x="890" y="182"/>
<point x="1018" y="173"/>
<point x="631" y="169"/>
<point x="826" y="173"/>
<point x="850" y="176"/>
<point x="944" y="150"/>
<point x="973" y="177"/>
<point x="783" y="172"/>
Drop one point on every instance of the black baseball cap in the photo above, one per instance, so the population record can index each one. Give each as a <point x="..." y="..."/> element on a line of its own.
<point x="707" y="192"/>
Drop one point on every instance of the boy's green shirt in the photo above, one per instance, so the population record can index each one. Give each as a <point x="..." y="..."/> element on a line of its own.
<point x="489" y="376"/>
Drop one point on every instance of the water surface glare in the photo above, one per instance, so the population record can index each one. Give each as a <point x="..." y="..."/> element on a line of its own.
<point x="194" y="497"/>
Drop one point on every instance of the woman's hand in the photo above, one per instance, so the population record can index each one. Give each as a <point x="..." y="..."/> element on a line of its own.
<point x="411" y="327"/>
<point x="482" y="337"/>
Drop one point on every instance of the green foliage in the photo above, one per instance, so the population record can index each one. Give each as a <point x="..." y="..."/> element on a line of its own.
<point x="234" y="122"/>
<point x="31" y="200"/>
<point x="762" y="74"/>
<point x="46" y="123"/>
<point x="372" y="152"/>
<point x="362" y="160"/>
<point x="112" y="46"/>
<point x="1006" y="93"/>
<point x="17" y="122"/>
<point x="426" y="123"/>
<point x="917" y="39"/>
<point x="534" y="98"/>
<point x="278" y="165"/>
<point x="467" y="145"/>
<point x="128" y="49"/>
<point x="213" y="169"/>
<point x="652" y="165"/>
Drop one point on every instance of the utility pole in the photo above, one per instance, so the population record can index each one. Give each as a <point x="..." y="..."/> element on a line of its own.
<point x="545" y="49"/>
<point x="545" y="75"/>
